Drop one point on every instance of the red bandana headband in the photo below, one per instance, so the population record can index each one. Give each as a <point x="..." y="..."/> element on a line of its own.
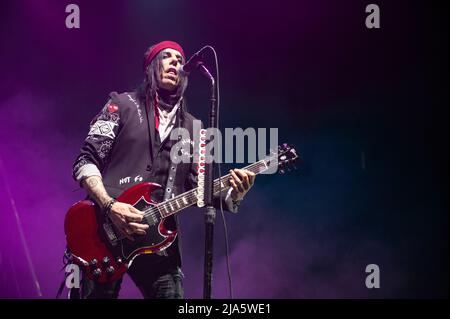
<point x="158" y="48"/>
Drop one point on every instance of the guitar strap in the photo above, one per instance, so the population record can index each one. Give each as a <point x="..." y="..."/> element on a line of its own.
<point x="173" y="167"/>
<point x="168" y="191"/>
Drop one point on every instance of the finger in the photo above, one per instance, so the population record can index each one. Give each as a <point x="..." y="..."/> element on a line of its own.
<point x="234" y="176"/>
<point x="133" y="229"/>
<point x="236" y="186"/>
<point x="244" y="178"/>
<point x="233" y="184"/>
<point x="244" y="184"/>
<point x="237" y="180"/>
<point x="251" y="177"/>
<point x="137" y="226"/>
<point x="133" y="217"/>
<point x="135" y="210"/>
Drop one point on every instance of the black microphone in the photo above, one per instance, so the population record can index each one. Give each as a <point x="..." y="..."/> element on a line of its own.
<point x="194" y="61"/>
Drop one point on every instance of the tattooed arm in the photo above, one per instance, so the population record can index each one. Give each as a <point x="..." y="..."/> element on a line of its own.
<point x="94" y="186"/>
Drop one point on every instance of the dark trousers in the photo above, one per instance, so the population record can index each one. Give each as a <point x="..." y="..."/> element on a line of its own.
<point x="156" y="277"/>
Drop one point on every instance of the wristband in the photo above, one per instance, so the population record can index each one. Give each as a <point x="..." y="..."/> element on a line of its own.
<point x="108" y="206"/>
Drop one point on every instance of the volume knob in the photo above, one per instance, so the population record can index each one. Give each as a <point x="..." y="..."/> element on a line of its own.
<point x="97" y="272"/>
<point x="93" y="263"/>
<point x="106" y="261"/>
<point x="110" y="270"/>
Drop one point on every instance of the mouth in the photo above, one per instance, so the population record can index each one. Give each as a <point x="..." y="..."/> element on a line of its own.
<point x="172" y="71"/>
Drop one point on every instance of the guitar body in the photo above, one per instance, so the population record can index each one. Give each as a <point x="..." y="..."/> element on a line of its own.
<point x="99" y="249"/>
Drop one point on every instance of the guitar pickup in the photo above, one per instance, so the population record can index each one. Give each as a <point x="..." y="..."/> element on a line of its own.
<point x="110" y="234"/>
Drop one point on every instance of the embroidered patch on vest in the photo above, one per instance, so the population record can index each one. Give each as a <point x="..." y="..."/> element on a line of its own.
<point x="112" y="108"/>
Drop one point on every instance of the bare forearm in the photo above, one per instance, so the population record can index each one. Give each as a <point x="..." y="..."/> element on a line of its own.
<point x="94" y="186"/>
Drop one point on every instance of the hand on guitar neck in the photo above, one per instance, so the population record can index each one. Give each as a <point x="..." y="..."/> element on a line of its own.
<point x="241" y="181"/>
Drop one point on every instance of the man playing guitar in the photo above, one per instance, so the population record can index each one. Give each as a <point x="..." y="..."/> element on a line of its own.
<point x="129" y="144"/>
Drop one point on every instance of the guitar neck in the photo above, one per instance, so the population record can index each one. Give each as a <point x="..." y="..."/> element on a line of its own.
<point x="189" y="198"/>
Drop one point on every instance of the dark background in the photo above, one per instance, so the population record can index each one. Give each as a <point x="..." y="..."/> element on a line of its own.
<point x="366" y="108"/>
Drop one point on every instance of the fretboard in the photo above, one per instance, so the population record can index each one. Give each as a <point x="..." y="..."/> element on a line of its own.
<point x="189" y="198"/>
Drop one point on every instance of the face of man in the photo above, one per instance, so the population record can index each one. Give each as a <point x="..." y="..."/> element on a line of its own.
<point x="169" y="73"/>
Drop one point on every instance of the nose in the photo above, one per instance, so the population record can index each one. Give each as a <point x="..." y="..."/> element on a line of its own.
<point x="174" y="61"/>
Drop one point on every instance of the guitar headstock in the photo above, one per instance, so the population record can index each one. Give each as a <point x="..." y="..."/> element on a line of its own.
<point x="287" y="156"/>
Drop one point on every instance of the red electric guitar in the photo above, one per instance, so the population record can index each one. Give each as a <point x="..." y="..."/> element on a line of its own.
<point x="94" y="244"/>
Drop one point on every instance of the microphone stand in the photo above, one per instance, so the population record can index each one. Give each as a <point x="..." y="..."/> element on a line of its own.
<point x="210" y="213"/>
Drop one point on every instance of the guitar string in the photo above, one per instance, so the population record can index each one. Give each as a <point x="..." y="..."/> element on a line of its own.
<point x="166" y="209"/>
<point x="257" y="167"/>
<point x="190" y="195"/>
